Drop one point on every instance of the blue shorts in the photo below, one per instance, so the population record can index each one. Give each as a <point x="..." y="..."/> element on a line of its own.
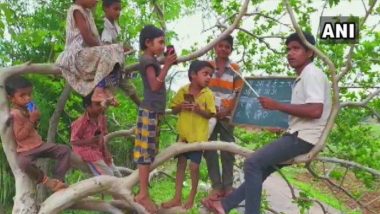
<point x="194" y="157"/>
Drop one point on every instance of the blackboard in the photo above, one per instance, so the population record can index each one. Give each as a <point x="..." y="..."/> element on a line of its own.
<point x="248" y="110"/>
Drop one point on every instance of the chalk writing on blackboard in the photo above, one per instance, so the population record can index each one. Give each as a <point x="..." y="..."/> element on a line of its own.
<point x="248" y="110"/>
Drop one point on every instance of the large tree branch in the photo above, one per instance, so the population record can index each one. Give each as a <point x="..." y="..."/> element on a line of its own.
<point x="54" y="119"/>
<point x="29" y="68"/>
<point x="66" y="198"/>
<point x="121" y="187"/>
<point x="96" y="205"/>
<point x="180" y="148"/>
<point x="349" y="164"/>
<point x="209" y="46"/>
<point x="24" y="200"/>
<point x="120" y="133"/>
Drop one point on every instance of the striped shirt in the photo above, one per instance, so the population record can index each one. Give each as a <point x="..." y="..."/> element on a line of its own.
<point x="226" y="86"/>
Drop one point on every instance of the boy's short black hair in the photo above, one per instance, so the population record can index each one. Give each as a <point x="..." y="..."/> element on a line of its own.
<point x="15" y="83"/>
<point x="149" y="32"/>
<point x="229" y="39"/>
<point x="87" y="101"/>
<point x="295" y="37"/>
<point x="196" y="66"/>
<point x="107" y="3"/>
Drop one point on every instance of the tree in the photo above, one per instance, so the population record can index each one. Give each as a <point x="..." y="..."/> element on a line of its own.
<point x="346" y="62"/>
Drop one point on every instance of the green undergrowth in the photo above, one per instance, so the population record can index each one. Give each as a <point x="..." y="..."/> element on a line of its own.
<point x="312" y="191"/>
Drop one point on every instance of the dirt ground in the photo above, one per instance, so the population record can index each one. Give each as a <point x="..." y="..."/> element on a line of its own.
<point x="370" y="198"/>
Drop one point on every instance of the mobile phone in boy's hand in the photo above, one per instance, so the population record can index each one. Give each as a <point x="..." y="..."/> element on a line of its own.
<point x="189" y="98"/>
<point x="169" y="50"/>
<point x="97" y="132"/>
<point x="31" y="106"/>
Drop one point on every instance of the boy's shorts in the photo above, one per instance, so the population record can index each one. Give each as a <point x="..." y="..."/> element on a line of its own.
<point x="194" y="157"/>
<point x="147" y="136"/>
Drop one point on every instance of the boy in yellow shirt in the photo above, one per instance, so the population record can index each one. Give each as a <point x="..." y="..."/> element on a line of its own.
<point x="195" y="104"/>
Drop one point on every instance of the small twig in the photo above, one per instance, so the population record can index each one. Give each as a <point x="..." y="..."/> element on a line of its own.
<point x="362" y="103"/>
<point x="374" y="112"/>
<point x="157" y="9"/>
<point x="365" y="6"/>
<point x="294" y="197"/>
<point x="348" y="64"/>
<point x="372" y="201"/>
<point x="114" y="119"/>
<point x="254" y="36"/>
<point x="277" y="20"/>
<point x="344" y="176"/>
<point x="167" y="175"/>
<point x="272" y="210"/>
<point x="322" y="12"/>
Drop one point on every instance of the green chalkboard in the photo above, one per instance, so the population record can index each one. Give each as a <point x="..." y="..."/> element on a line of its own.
<point x="248" y="110"/>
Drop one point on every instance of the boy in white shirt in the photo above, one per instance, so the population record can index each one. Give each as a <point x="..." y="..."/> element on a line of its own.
<point x="110" y="35"/>
<point x="309" y="110"/>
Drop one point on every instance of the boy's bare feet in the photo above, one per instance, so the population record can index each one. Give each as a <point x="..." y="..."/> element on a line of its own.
<point x="228" y="191"/>
<point x="215" y="194"/>
<point x="147" y="203"/>
<point x="175" y="202"/>
<point x="54" y="184"/>
<point x="214" y="206"/>
<point x="189" y="204"/>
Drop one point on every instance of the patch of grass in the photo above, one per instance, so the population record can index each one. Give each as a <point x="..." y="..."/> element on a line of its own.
<point x="375" y="129"/>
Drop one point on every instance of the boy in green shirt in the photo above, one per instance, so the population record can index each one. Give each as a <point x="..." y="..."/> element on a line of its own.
<point x="195" y="104"/>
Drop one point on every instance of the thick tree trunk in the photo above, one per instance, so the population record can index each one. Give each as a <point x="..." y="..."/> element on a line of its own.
<point x="24" y="200"/>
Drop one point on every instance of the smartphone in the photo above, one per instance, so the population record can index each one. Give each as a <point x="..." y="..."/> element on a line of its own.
<point x="97" y="132"/>
<point x="169" y="50"/>
<point x="31" y="106"/>
<point x="189" y="98"/>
